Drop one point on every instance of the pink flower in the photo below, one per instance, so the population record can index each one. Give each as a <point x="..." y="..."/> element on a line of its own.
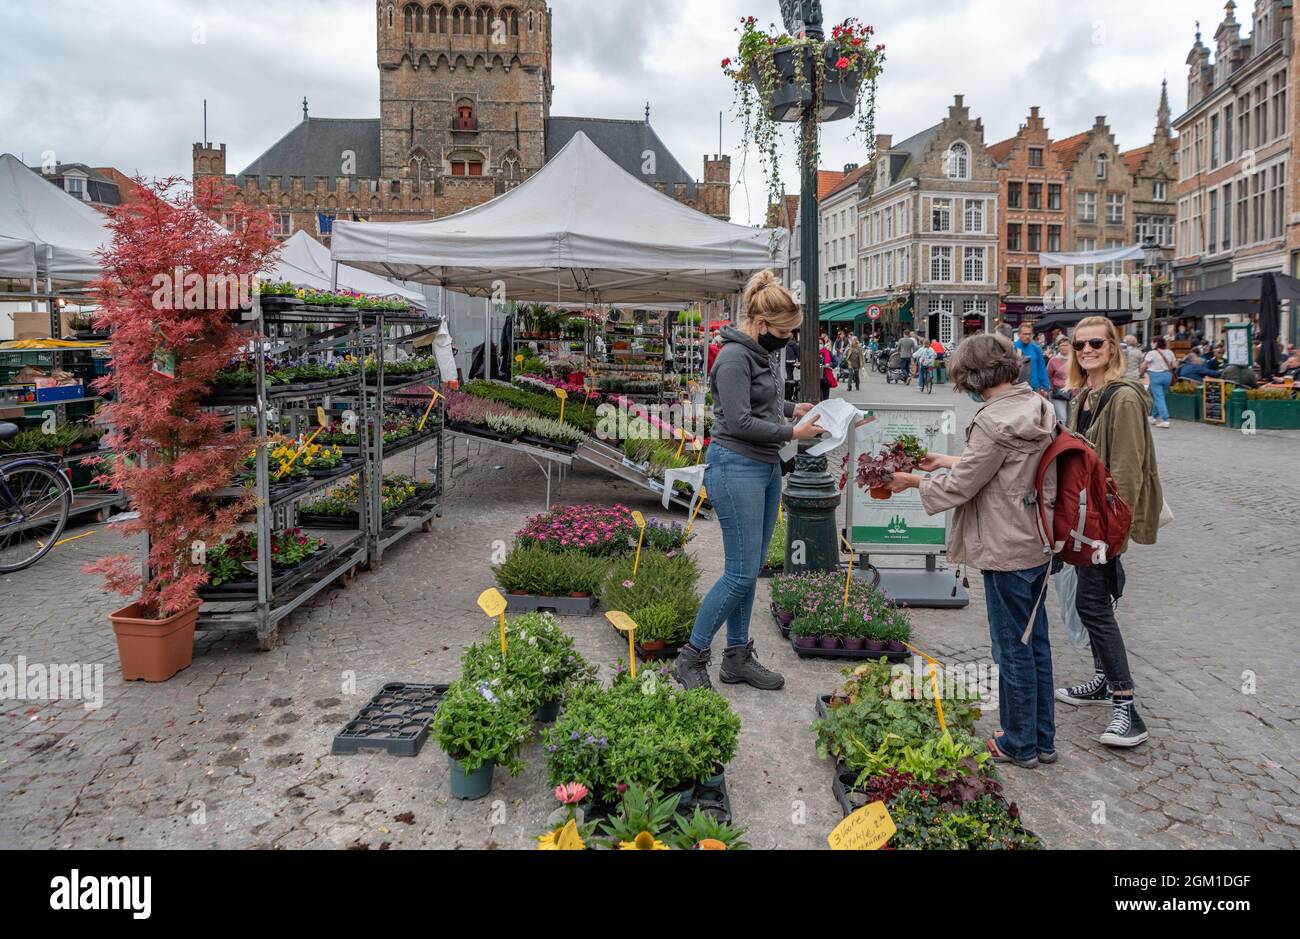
<point x="843" y="63"/>
<point x="629" y="584"/>
<point x="571" y="794"/>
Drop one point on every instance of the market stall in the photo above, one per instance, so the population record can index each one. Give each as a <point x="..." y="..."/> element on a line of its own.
<point x="581" y="231"/>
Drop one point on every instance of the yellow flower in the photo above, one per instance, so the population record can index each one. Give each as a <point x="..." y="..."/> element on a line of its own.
<point x="562" y="839"/>
<point x="644" y="842"/>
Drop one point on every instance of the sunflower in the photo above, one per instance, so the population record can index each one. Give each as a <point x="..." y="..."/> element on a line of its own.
<point x="562" y="839"/>
<point x="644" y="842"/>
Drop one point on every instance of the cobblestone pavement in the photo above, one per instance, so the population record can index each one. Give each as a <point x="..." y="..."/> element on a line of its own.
<point x="235" y="751"/>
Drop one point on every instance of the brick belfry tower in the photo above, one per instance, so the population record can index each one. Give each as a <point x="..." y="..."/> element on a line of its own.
<point x="465" y="93"/>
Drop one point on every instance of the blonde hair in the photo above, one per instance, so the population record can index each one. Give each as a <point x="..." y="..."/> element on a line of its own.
<point x="1115" y="367"/>
<point x="767" y="300"/>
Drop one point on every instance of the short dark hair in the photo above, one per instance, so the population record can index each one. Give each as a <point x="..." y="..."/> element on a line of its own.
<point x="983" y="362"/>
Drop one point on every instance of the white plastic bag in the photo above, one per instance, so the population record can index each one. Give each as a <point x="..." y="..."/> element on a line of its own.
<point x="1067" y="586"/>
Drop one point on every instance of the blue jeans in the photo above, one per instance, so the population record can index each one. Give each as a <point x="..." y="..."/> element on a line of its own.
<point x="746" y="496"/>
<point x="1026" y="695"/>
<point x="922" y="376"/>
<point x="1161" y="382"/>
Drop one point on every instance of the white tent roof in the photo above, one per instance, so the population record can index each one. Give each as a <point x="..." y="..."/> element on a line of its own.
<point x="580" y="229"/>
<point x="17" y="258"/>
<point x="64" y="233"/>
<point x="305" y="252"/>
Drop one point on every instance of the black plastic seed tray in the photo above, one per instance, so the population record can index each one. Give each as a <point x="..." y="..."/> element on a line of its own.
<point x="713" y="802"/>
<point x="396" y="720"/>
<point x="850" y="799"/>
<point x="560" y="606"/>
<point x="852" y="655"/>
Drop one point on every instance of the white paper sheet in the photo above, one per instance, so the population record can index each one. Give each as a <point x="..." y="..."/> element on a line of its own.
<point x="837" y="417"/>
<point x="693" y="476"/>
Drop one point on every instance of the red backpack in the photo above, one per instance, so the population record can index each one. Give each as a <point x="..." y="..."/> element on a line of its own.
<point x="1090" y="521"/>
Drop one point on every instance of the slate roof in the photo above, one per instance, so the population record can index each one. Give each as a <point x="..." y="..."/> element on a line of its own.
<point x="102" y="190"/>
<point x="624" y="142"/>
<point x="904" y="158"/>
<point x="315" y="148"/>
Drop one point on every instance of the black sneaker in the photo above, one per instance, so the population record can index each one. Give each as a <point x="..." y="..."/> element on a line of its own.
<point x="1126" y="728"/>
<point x="1095" y="692"/>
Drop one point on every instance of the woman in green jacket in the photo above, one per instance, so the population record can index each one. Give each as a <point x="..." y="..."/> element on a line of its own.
<point x="1111" y="412"/>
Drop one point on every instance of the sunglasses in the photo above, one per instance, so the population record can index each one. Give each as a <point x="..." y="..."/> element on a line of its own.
<point x="1095" y="344"/>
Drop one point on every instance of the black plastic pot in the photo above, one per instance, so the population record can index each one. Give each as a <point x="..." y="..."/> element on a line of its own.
<point x="791" y="97"/>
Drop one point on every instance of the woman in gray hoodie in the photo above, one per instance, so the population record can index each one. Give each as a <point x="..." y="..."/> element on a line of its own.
<point x="750" y="427"/>
<point x="992" y="488"/>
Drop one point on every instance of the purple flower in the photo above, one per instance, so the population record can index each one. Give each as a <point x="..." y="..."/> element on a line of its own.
<point x="575" y="736"/>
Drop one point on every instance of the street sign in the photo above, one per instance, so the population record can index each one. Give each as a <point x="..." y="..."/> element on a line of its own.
<point x="874" y="312"/>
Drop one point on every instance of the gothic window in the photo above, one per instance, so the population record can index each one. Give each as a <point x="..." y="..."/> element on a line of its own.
<point x="510" y="172"/>
<point x="438" y="18"/>
<point x="959" y="161"/>
<point x="460" y="21"/>
<point x="418" y="165"/>
<point x="530" y="21"/>
<point x="481" y="24"/>
<point x="509" y="21"/>
<point x="390" y="16"/>
<point x="408" y="18"/>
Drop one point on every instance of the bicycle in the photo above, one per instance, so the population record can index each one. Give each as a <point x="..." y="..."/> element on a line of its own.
<point x="925" y="379"/>
<point x="35" y="500"/>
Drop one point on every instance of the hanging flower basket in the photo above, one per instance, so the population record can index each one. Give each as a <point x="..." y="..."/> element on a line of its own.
<point x="791" y="95"/>
<point x="780" y="78"/>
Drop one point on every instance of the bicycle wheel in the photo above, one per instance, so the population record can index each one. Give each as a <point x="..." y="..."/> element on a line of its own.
<point x="34" y="503"/>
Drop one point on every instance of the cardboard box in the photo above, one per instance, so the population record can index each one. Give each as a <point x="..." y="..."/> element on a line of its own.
<point x="35" y="324"/>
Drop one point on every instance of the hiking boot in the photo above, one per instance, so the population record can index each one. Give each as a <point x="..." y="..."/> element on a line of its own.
<point x="692" y="668"/>
<point x="740" y="666"/>
<point x="1095" y="692"/>
<point x="1126" y="727"/>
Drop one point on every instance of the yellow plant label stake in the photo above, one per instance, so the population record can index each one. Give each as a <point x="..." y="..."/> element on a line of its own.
<point x="934" y="684"/>
<point x="704" y="494"/>
<point x="848" y="580"/>
<point x="640" y="523"/>
<point x="301" y="450"/>
<point x="681" y="446"/>
<point x="867" y="829"/>
<point x="429" y="410"/>
<point x="321" y="418"/>
<point x="625" y="624"/>
<point x="564" y="399"/>
<point x="493" y="604"/>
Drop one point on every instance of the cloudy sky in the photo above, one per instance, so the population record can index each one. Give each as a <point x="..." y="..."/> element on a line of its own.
<point x="112" y="82"/>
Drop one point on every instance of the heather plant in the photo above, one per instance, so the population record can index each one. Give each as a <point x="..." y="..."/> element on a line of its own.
<point x="598" y="530"/>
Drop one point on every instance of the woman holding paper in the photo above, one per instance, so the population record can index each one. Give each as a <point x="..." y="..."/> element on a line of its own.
<point x="751" y="425"/>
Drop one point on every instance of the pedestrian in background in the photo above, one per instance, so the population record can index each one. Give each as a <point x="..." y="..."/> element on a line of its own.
<point x="1111" y="412"/>
<point x="1058" y="375"/>
<point x="1033" y="368"/>
<point x="857" y="362"/>
<point x="906" y="349"/>
<point x="993" y="489"/>
<point x="1132" y="358"/>
<point x="1158" y="365"/>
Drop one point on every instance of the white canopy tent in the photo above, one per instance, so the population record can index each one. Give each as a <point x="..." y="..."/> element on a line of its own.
<point x="581" y="230"/>
<point x="1091" y="258"/>
<point x="63" y="233"/>
<point x="305" y="262"/>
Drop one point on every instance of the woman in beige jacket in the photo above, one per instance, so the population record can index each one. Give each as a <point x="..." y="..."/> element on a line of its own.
<point x="991" y="487"/>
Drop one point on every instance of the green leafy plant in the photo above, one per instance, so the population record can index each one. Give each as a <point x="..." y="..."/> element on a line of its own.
<point x="540" y="665"/>
<point x="532" y="570"/>
<point x="640" y="731"/>
<point x="693" y="830"/>
<point x="775" y="559"/>
<point x="474" y="725"/>
<point x="661" y="581"/>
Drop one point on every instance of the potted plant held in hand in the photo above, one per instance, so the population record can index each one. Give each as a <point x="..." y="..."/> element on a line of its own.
<point x="174" y="454"/>
<point x="479" y="729"/>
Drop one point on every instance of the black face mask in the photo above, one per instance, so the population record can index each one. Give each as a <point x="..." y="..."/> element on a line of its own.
<point x="772" y="343"/>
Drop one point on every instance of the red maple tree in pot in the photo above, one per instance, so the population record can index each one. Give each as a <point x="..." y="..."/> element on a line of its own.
<point x="171" y="278"/>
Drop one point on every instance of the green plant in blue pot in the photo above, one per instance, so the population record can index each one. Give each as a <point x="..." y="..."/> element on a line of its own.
<point x="480" y="725"/>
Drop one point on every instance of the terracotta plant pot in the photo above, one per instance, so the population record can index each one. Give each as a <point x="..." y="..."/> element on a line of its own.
<point x="579" y="595"/>
<point x="151" y="649"/>
<point x="654" y="646"/>
<point x="884" y="495"/>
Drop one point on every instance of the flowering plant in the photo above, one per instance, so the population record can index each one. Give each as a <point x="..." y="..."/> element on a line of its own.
<point x="877" y="472"/>
<point x="476" y="725"/>
<point x="598" y="530"/>
<point x="541" y="664"/>
<point x="533" y="570"/>
<point x="766" y="61"/>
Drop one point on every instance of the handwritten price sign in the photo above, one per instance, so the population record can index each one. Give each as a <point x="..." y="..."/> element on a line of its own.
<point x="867" y="829"/>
